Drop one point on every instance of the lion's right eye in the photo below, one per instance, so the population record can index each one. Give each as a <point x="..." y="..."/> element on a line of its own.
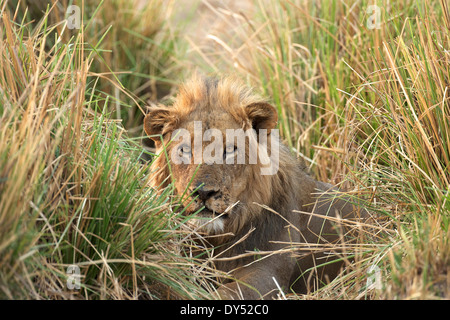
<point x="230" y="151"/>
<point x="184" y="151"/>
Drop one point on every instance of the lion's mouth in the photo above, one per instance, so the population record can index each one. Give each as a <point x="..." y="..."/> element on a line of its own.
<point x="204" y="212"/>
<point x="208" y="213"/>
<point x="209" y="220"/>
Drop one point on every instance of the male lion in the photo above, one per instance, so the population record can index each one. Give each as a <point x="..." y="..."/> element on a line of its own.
<point x="283" y="216"/>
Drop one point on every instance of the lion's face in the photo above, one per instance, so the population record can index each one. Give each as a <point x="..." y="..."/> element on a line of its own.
<point x="211" y="136"/>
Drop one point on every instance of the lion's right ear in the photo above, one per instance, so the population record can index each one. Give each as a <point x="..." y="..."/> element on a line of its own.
<point x="157" y="122"/>
<point x="262" y="115"/>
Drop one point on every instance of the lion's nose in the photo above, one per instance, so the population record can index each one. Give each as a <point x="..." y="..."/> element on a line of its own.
<point x="204" y="192"/>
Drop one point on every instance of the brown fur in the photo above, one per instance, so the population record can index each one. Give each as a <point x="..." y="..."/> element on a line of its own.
<point x="291" y="233"/>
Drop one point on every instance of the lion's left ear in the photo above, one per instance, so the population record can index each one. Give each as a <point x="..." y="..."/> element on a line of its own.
<point x="262" y="116"/>
<point x="158" y="122"/>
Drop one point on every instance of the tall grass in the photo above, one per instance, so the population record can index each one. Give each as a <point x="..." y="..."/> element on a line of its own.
<point x="135" y="48"/>
<point x="138" y="51"/>
<point x="72" y="188"/>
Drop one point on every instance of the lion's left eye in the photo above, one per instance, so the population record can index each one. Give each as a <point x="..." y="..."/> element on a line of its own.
<point x="184" y="151"/>
<point x="230" y="151"/>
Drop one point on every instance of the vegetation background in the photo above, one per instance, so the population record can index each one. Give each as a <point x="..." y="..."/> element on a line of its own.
<point x="361" y="88"/>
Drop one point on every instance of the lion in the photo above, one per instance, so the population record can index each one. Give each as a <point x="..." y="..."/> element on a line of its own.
<point x="270" y="230"/>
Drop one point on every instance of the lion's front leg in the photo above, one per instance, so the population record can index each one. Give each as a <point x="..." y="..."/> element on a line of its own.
<point x="238" y="291"/>
<point x="256" y="281"/>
